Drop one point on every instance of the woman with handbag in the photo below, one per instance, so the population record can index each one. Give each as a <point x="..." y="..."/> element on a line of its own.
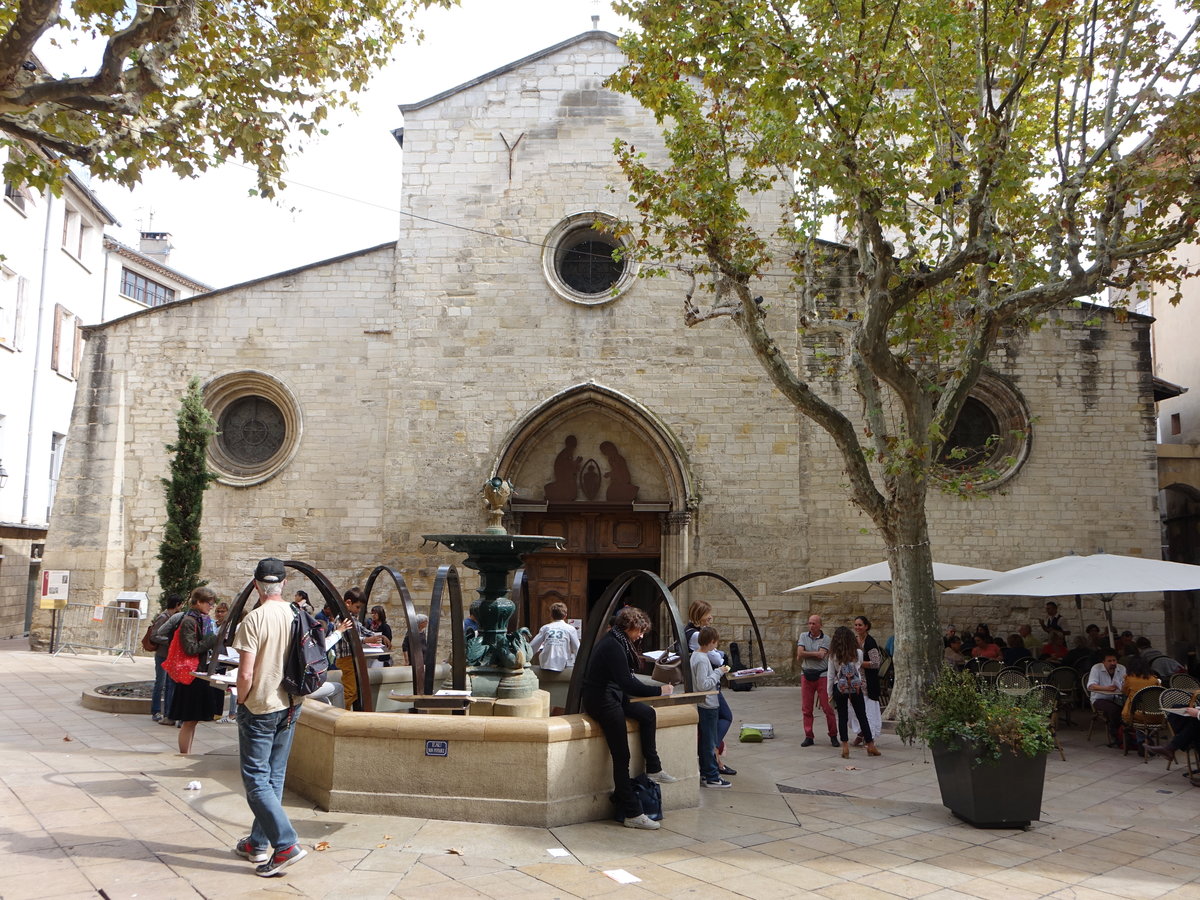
<point x="847" y="686"/>
<point x="195" y="699"/>
<point x="872" y="660"/>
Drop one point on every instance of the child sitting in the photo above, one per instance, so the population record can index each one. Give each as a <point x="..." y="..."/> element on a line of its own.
<point x="706" y="678"/>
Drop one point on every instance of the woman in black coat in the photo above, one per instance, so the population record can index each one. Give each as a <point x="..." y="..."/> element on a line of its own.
<point x="608" y="683"/>
<point x="198" y="701"/>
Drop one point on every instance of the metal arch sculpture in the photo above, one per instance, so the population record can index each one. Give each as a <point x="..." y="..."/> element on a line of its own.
<point x="762" y="652"/>
<point x="424" y="665"/>
<point x="447" y="578"/>
<point x="603" y="610"/>
<point x="331" y="596"/>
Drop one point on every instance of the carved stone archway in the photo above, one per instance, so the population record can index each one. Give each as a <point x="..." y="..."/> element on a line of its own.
<point x="600" y="465"/>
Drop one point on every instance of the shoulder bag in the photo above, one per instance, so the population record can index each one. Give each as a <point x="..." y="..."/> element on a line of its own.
<point x="178" y="664"/>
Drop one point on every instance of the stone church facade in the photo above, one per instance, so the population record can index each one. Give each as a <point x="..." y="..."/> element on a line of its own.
<point x="364" y="400"/>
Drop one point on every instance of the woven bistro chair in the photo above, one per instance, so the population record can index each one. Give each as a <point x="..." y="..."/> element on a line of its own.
<point x="1012" y="681"/>
<point x="1096" y="715"/>
<point x="988" y="670"/>
<point x="1184" y="682"/>
<point x="1178" y="698"/>
<point x="1147" y="716"/>
<point x="1039" y="670"/>
<point x="1064" y="680"/>
<point x="1048" y="697"/>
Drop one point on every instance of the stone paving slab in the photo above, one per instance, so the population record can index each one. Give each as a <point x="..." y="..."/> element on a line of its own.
<point x="92" y="804"/>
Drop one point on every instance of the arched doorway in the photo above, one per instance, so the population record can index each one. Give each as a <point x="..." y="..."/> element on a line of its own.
<point x="598" y="468"/>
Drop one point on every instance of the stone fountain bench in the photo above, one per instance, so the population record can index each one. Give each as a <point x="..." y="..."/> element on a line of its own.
<point x="507" y="771"/>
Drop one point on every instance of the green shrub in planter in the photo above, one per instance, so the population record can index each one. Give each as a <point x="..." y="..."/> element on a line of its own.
<point x="989" y="749"/>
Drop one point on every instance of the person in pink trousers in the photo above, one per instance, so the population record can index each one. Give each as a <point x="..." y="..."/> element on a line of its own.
<point x="811" y="652"/>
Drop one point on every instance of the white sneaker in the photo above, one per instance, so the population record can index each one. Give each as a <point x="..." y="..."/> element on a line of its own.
<point x="661" y="777"/>
<point x="642" y="821"/>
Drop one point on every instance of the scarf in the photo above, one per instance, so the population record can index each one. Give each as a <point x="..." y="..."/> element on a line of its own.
<point x="623" y="639"/>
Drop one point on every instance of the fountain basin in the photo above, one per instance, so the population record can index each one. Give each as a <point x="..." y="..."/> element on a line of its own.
<point x="518" y="771"/>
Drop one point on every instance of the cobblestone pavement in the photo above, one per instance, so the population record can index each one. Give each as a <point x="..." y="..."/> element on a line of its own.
<point x="93" y="805"/>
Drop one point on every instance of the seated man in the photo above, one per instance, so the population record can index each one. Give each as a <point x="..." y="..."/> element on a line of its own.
<point x="1106" y="685"/>
<point x="1015" y="651"/>
<point x="953" y="653"/>
<point x="1032" y="642"/>
<point x="1160" y="664"/>
<point x="1187" y="734"/>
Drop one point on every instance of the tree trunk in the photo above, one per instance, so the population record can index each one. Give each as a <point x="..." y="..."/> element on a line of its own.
<point x="918" y="650"/>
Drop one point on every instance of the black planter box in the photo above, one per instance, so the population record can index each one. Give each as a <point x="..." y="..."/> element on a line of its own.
<point x="1000" y="793"/>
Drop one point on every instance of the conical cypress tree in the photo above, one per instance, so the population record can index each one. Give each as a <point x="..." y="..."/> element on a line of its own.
<point x="179" y="551"/>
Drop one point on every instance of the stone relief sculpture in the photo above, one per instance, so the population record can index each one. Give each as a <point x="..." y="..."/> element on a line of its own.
<point x="621" y="488"/>
<point x="565" y="485"/>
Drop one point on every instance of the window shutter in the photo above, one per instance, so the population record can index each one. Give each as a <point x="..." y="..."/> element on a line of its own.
<point x="19" y="323"/>
<point x="77" y="350"/>
<point x="54" y="350"/>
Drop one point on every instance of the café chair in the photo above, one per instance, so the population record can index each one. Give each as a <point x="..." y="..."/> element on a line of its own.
<point x="1146" y="716"/>
<point x="1177" y="698"/>
<point x="1184" y="682"/>
<point x="1012" y="681"/>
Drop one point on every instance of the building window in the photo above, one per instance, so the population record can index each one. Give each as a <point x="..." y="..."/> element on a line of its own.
<point x="1176" y="424"/>
<point x="58" y="445"/>
<point x="583" y="260"/>
<point x="68" y="342"/>
<point x="144" y="290"/>
<point x="258" y="427"/>
<point x="16" y="196"/>
<point x="14" y="290"/>
<point x="991" y="439"/>
<point x="77" y="234"/>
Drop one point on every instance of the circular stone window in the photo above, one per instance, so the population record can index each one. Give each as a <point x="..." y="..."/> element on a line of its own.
<point x="992" y="434"/>
<point x="258" y="427"/>
<point x="583" y="262"/>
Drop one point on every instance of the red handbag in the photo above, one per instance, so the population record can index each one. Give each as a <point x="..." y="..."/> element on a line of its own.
<point x="179" y="665"/>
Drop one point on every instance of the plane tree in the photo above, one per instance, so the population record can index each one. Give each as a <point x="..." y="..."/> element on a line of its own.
<point x="184" y="84"/>
<point x="983" y="164"/>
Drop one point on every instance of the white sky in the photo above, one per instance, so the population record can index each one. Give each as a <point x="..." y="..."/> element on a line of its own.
<point x="222" y="236"/>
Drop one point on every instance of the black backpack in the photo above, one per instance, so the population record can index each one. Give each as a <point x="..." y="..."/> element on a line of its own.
<point x="306" y="664"/>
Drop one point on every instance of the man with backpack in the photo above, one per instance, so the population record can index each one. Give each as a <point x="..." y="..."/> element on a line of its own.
<point x="164" y="687"/>
<point x="266" y="722"/>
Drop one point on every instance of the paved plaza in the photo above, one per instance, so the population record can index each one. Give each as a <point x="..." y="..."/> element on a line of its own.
<point x="94" y="805"/>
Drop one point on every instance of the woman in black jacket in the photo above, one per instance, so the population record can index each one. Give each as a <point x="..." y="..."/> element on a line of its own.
<point x="608" y="683"/>
<point x="198" y="701"/>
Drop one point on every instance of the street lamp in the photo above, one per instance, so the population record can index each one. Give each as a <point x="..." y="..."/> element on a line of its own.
<point x="3" y="475"/>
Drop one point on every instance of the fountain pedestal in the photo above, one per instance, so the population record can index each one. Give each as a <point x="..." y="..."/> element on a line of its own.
<point x="497" y="662"/>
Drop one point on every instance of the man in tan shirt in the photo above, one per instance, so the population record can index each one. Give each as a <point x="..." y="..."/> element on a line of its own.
<point x="266" y="722"/>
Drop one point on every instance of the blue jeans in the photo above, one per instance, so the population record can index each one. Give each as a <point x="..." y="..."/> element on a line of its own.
<point x="264" y="743"/>
<point x="159" y="703"/>
<point x="724" y="718"/>
<point x="708" y="743"/>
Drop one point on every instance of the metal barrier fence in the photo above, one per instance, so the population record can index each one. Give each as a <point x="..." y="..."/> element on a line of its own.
<point x="117" y="631"/>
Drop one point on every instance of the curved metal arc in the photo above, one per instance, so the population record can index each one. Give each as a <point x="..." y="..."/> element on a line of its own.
<point x="447" y="577"/>
<point x="334" y="599"/>
<point x="762" y="651"/>
<point x="597" y="621"/>
<point x="410" y="620"/>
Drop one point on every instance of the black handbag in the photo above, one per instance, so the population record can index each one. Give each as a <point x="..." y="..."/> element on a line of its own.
<point x="649" y="794"/>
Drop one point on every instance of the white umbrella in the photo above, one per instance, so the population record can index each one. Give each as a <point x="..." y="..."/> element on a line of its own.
<point x="1102" y="573"/>
<point x="879" y="576"/>
<point x="1105" y="574"/>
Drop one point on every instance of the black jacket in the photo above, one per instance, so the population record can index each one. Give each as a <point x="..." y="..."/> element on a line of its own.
<point x="609" y="677"/>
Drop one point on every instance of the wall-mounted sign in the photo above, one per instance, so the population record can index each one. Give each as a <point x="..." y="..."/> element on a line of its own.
<point x="437" y="748"/>
<point x="55" y="587"/>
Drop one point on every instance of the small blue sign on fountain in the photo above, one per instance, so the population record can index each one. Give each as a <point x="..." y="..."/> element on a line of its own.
<point x="437" y="748"/>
